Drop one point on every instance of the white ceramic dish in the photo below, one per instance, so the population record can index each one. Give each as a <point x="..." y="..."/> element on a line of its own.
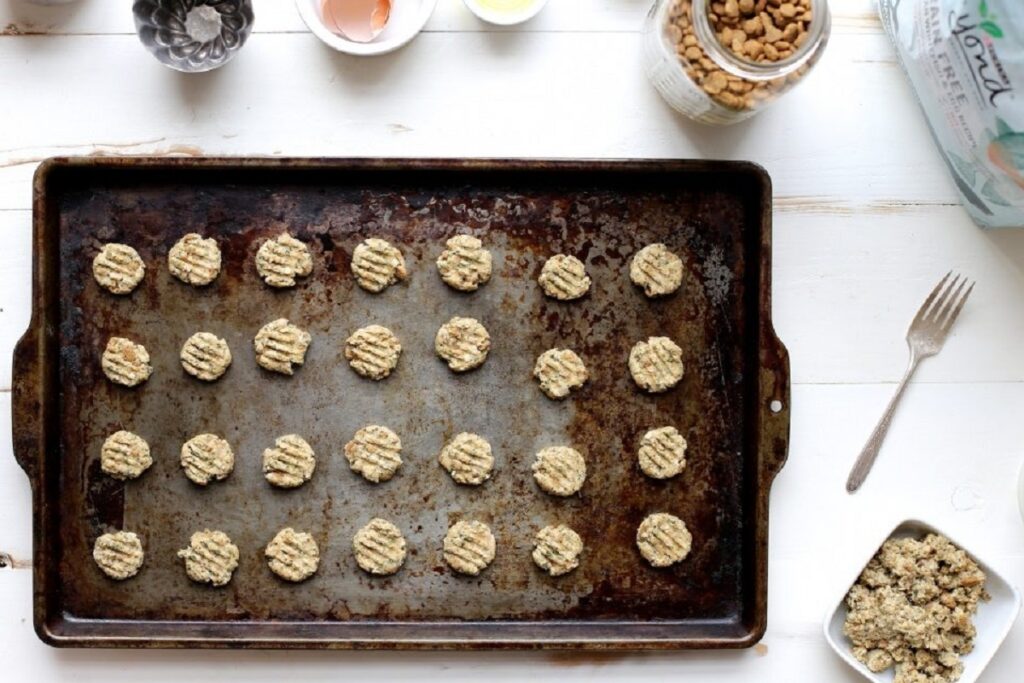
<point x="505" y="17"/>
<point x="408" y="17"/>
<point x="993" y="620"/>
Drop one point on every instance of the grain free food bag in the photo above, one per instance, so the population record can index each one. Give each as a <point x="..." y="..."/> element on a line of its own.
<point x="965" y="59"/>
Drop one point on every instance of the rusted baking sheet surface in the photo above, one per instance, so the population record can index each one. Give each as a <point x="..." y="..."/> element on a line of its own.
<point x="716" y="215"/>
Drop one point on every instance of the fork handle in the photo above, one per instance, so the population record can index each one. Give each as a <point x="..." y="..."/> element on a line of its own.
<point x="867" y="456"/>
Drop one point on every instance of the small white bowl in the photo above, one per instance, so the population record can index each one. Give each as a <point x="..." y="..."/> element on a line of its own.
<point x="505" y="17"/>
<point x="408" y="17"/>
<point x="993" y="619"/>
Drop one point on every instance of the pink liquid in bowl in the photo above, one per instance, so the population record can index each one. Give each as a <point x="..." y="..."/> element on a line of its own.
<point x="357" y="20"/>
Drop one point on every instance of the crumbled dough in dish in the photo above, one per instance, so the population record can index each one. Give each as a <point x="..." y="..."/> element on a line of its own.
<point x="375" y="453"/>
<point x="283" y="258"/>
<point x="469" y="547"/>
<point x="657" y="270"/>
<point x="194" y="260"/>
<point x="468" y="459"/>
<point x="379" y="547"/>
<point x="564" y="277"/>
<point x="125" y="455"/>
<point x="663" y="539"/>
<point x="210" y="557"/>
<point x="465" y="264"/>
<point x="118" y="554"/>
<point x="206" y="458"/>
<point x="280" y="346"/>
<point x="118" y="268"/>
<point x="463" y="343"/>
<point x="560" y="470"/>
<point x="373" y="351"/>
<point x="912" y="609"/>
<point x="559" y="372"/>
<point x="656" y="364"/>
<point x="662" y="453"/>
<point x="557" y="550"/>
<point x="377" y="265"/>
<point x="205" y="356"/>
<point x="290" y="463"/>
<point x="293" y="555"/>
<point x="125" y="362"/>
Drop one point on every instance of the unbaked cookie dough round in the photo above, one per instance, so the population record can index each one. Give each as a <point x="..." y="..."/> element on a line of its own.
<point x="557" y="549"/>
<point x="656" y="364"/>
<point x="210" y="557"/>
<point x="375" y="453"/>
<point x="560" y="470"/>
<point x="564" y="277"/>
<point x="194" y="260"/>
<point x="119" y="554"/>
<point x="125" y="455"/>
<point x="468" y="459"/>
<point x="373" y="351"/>
<point x="662" y="453"/>
<point x="377" y="265"/>
<point x="663" y="539"/>
<point x="657" y="270"/>
<point x="559" y="372"/>
<point x="465" y="264"/>
<point x="118" y="268"/>
<point x="281" y="259"/>
<point x="125" y="362"/>
<point x="280" y="346"/>
<point x="206" y="458"/>
<point x="469" y="547"/>
<point x="379" y="547"/>
<point x="293" y="555"/>
<point x="290" y="463"/>
<point x="463" y="343"/>
<point x="205" y="356"/>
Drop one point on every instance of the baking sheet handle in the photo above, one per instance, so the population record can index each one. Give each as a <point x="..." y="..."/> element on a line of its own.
<point x="774" y="411"/>
<point x="27" y="407"/>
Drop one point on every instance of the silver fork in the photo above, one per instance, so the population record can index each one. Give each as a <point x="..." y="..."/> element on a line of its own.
<point x="925" y="338"/>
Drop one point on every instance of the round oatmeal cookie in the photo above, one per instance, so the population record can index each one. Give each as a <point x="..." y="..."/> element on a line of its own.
<point x="118" y="268"/>
<point x="118" y="554"/>
<point x="373" y="351"/>
<point x="375" y="453"/>
<point x="559" y="372"/>
<point x="468" y="459"/>
<point x="210" y="557"/>
<point x="290" y="463"/>
<point x="656" y="364"/>
<point x="280" y="346"/>
<point x="662" y="453"/>
<point x="557" y="549"/>
<point x="663" y="539"/>
<point x="125" y="362"/>
<point x="206" y="458"/>
<point x="379" y="547"/>
<point x="293" y="555"/>
<point x="469" y="547"/>
<point x="560" y="470"/>
<point x="281" y="259"/>
<point x="377" y="265"/>
<point x="125" y="455"/>
<point x="564" y="277"/>
<point x="657" y="270"/>
<point x="205" y="356"/>
<point x="194" y="260"/>
<point x="463" y="343"/>
<point x="465" y="264"/>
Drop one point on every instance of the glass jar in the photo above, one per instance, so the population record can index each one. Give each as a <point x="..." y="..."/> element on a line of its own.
<point x="722" y="61"/>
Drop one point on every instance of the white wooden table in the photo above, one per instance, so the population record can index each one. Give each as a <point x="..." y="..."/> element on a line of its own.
<point x="866" y="221"/>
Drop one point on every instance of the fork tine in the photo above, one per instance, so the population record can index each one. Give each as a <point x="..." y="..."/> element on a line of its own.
<point x="956" y="311"/>
<point x="931" y="297"/>
<point x="949" y="301"/>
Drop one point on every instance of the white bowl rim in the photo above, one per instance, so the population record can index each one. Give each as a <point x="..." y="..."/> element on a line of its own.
<point x="845" y="652"/>
<point x="513" y="18"/>
<point x="316" y="26"/>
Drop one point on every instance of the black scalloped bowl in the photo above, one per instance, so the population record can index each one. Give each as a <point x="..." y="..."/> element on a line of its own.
<point x="193" y="35"/>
